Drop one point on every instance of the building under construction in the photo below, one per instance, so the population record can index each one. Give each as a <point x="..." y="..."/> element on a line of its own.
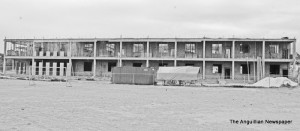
<point x="218" y="58"/>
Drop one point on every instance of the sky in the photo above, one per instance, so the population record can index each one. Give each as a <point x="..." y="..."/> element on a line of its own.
<point x="149" y="18"/>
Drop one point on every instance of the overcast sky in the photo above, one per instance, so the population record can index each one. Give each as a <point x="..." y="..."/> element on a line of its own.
<point x="153" y="18"/>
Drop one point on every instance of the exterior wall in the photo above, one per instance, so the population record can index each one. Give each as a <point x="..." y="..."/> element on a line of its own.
<point x="283" y="66"/>
<point x="282" y="45"/>
<point x="181" y="49"/>
<point x="209" y="68"/>
<point x="130" y="62"/>
<point x="128" y="49"/>
<point x="254" y="52"/>
<point x="225" y="45"/>
<point x="78" y="68"/>
<point x="154" y="49"/>
<point x="239" y="76"/>
<point x="155" y="64"/>
<point x="24" y="55"/>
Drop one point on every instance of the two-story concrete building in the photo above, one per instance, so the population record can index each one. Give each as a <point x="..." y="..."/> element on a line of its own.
<point x="219" y="58"/>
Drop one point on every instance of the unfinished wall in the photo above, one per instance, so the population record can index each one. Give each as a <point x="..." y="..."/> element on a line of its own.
<point x="225" y="45"/>
<point x="155" y="64"/>
<point x="181" y="50"/>
<point x="102" y="51"/>
<point x="283" y="66"/>
<point x="254" y="52"/>
<point x="154" y="49"/>
<point x="78" y="49"/>
<point x="209" y="69"/>
<point x="280" y="54"/>
<point x="237" y="71"/>
<point x="78" y="68"/>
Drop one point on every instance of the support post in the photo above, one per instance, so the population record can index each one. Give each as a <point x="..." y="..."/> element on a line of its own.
<point x="47" y="68"/>
<point x="61" y="70"/>
<point x="4" y="58"/>
<point x="94" y="68"/>
<point x="263" y="58"/>
<point x="233" y="50"/>
<point x="204" y="49"/>
<point x="54" y="69"/>
<point x="120" y="56"/>
<point x="40" y="68"/>
<point x="203" y="70"/>
<point x="33" y="67"/>
<point x="232" y="70"/>
<point x="147" y="55"/>
<point x="175" y="52"/>
<point x="95" y="47"/>
<point x="294" y="50"/>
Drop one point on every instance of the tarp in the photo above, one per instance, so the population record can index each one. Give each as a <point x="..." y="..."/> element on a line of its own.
<point x="275" y="82"/>
<point x="178" y="73"/>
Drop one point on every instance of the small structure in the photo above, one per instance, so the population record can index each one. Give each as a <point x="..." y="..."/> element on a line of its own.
<point x="133" y="75"/>
<point x="178" y="75"/>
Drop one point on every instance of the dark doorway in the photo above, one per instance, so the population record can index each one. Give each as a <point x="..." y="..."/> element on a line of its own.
<point x="163" y="64"/>
<point x="285" y="73"/>
<point x="275" y="69"/>
<point x="189" y="64"/>
<point x="227" y="73"/>
<point x="111" y="65"/>
<point x="87" y="66"/>
<point x="137" y="64"/>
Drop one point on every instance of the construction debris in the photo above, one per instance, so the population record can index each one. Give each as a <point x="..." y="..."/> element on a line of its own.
<point x="274" y="82"/>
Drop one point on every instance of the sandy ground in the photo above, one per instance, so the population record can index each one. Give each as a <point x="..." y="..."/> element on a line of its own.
<point x="91" y="105"/>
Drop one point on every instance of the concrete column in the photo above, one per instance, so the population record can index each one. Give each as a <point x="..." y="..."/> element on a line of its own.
<point x="40" y="68"/>
<point x="47" y="68"/>
<point x="68" y="70"/>
<point x="204" y="49"/>
<point x="94" y="68"/>
<point x="13" y="64"/>
<point x="33" y="67"/>
<point x="54" y="69"/>
<point x="175" y="63"/>
<point x="33" y="49"/>
<point x="147" y="63"/>
<point x="263" y="58"/>
<point x="61" y="69"/>
<point x="203" y="70"/>
<point x="70" y="50"/>
<point x="41" y="53"/>
<point x="294" y="50"/>
<point x="4" y="59"/>
<point x="54" y="53"/>
<point x="148" y="49"/>
<point x="47" y="53"/>
<point x="175" y="53"/>
<point x="20" y="68"/>
<point x="62" y="53"/>
<point x="233" y="49"/>
<point x="95" y="47"/>
<point x="120" y="60"/>
<point x="232" y="70"/>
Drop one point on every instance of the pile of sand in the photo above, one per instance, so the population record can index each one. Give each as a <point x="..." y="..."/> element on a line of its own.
<point x="275" y="82"/>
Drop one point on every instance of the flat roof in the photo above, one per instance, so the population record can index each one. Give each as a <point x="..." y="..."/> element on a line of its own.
<point x="155" y="39"/>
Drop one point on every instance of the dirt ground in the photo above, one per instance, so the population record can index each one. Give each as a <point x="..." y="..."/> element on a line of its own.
<point x="94" y="105"/>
